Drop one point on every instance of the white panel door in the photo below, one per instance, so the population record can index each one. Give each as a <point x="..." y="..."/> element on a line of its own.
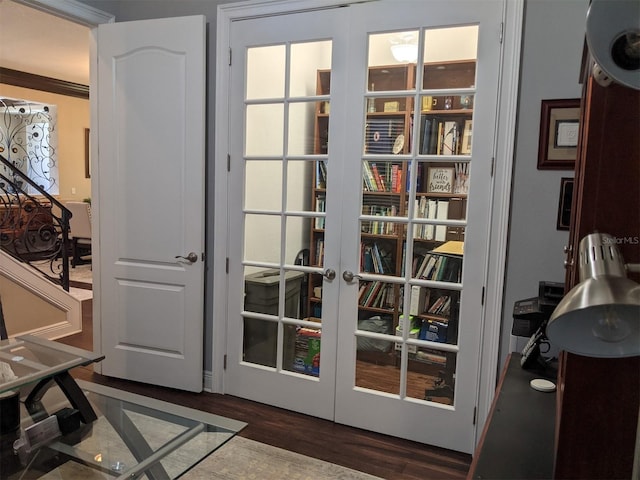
<point x="273" y="97"/>
<point x="416" y="240"/>
<point x="331" y="154"/>
<point x="151" y="121"/>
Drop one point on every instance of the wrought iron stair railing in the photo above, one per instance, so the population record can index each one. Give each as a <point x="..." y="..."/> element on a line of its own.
<point x="34" y="226"/>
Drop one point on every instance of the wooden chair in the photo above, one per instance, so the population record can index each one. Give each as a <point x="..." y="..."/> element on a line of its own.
<point x="80" y="234"/>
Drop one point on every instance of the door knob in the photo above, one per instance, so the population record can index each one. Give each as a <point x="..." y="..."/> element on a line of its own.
<point x="329" y="274"/>
<point x="191" y="257"/>
<point x="350" y="276"/>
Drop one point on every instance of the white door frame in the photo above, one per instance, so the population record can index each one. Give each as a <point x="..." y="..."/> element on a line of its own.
<point x="504" y="147"/>
<point x="88" y="16"/>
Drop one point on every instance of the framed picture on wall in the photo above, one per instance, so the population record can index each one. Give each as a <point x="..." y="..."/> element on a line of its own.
<point x="559" y="132"/>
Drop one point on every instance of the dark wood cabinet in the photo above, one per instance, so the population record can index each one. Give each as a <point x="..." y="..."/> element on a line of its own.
<point x="598" y="399"/>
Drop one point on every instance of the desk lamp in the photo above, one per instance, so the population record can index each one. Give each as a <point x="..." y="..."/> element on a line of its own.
<point x="599" y="317"/>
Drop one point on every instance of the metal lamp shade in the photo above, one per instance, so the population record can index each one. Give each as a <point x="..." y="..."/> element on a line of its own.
<point x="599" y="317"/>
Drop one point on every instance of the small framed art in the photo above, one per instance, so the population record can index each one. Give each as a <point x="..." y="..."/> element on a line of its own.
<point x="440" y="179"/>
<point x="559" y="132"/>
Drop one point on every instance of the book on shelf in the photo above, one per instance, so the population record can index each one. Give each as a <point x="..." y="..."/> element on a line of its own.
<point x="419" y="300"/>
<point x="450" y="138"/>
<point x="442" y="213"/>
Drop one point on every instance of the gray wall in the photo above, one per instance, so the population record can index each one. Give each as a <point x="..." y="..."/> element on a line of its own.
<point x="553" y="38"/>
<point x="552" y="51"/>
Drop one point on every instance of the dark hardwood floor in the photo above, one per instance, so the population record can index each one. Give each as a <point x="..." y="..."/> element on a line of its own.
<point x="381" y="455"/>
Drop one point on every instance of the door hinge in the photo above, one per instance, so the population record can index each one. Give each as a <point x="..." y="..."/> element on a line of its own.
<point x="501" y="33"/>
<point x="224" y="367"/>
<point x="227" y="265"/>
<point x="482" y="297"/>
<point x="493" y="165"/>
<point x="229" y="56"/>
<point x="475" y="411"/>
<point x="228" y="162"/>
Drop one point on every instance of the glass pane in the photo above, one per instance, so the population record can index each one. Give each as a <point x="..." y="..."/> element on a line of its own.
<point x="378" y="296"/>
<point x="380" y="207"/>
<point x="387" y="135"/>
<point x="303" y="350"/>
<point x="388" y="105"/>
<point x="383" y="176"/>
<point x="301" y="128"/>
<point x="442" y="262"/>
<point x="262" y="140"/>
<point x="376" y="360"/>
<point x="434" y="313"/>
<point x="389" y="49"/>
<point x="431" y="375"/>
<point x="262" y="238"/>
<point x="448" y="133"/>
<point x="376" y="371"/>
<point x="299" y="178"/>
<point x="450" y="44"/>
<point x="265" y="72"/>
<point x="259" y="341"/>
<point x="379" y="254"/>
<point x="261" y="195"/>
<point x="297" y="238"/>
<point x="306" y="60"/>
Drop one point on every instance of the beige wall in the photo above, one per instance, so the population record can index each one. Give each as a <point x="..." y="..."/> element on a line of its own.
<point x="73" y="118"/>
<point x="18" y="318"/>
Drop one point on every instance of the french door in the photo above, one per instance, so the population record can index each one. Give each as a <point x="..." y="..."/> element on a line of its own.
<point x="359" y="198"/>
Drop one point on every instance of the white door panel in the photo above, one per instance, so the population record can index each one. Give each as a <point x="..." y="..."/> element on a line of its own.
<point x="450" y="425"/>
<point x="151" y="171"/>
<point x="259" y="170"/>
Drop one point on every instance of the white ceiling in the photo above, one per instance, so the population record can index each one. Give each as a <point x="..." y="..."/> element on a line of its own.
<point x="36" y="42"/>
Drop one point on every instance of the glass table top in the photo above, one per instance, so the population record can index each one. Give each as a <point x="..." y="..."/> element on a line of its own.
<point x="27" y="359"/>
<point x="133" y="437"/>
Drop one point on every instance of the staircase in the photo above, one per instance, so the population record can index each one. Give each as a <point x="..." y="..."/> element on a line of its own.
<point x="34" y="258"/>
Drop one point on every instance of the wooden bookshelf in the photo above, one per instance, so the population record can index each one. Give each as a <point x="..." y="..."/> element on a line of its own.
<point x="385" y="194"/>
